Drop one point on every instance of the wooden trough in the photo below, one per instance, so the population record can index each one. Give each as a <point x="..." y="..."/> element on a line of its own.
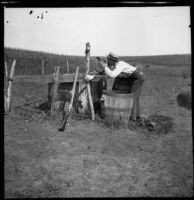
<point x="62" y="95"/>
<point x="59" y="89"/>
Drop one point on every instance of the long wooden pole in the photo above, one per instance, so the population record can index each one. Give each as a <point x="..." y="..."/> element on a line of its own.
<point x="63" y="124"/>
<point x="87" y="57"/>
<point x="10" y="84"/>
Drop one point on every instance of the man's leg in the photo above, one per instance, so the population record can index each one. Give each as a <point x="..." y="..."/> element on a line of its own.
<point x="134" y="108"/>
<point x="136" y="89"/>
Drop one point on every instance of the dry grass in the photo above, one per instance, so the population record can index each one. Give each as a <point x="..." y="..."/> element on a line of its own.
<point x="101" y="159"/>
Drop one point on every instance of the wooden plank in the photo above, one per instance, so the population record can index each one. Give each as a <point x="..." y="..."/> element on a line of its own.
<point x="34" y="78"/>
<point x="70" y="77"/>
<point x="49" y="78"/>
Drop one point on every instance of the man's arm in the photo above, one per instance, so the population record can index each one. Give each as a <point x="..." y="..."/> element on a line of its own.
<point x="113" y="73"/>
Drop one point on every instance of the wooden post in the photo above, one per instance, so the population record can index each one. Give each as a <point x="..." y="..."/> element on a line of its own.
<point x="6" y="71"/>
<point x="10" y="84"/>
<point x="55" y="89"/>
<point x="49" y="98"/>
<point x="67" y="67"/>
<point x="96" y="64"/>
<point x="87" y="58"/>
<point x="42" y="67"/>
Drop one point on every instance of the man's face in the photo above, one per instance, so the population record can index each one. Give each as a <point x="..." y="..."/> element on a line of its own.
<point x="111" y="64"/>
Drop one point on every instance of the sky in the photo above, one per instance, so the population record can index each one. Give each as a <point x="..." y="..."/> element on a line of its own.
<point x="125" y="31"/>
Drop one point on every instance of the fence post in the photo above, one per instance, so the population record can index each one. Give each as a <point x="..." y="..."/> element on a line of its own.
<point x="10" y="84"/>
<point x="6" y="70"/>
<point x="67" y="67"/>
<point x="55" y="89"/>
<point x="42" y="67"/>
<point x="87" y="58"/>
<point x="49" y="99"/>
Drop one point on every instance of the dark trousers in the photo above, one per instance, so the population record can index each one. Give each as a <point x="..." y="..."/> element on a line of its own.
<point x="131" y="84"/>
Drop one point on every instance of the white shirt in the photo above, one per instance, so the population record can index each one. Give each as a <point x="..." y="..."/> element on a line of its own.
<point x="121" y="66"/>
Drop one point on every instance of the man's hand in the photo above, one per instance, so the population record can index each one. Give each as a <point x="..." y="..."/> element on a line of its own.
<point x="89" y="77"/>
<point x="102" y="64"/>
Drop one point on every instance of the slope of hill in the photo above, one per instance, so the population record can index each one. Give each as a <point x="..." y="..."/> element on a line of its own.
<point x="30" y="62"/>
<point x="168" y="60"/>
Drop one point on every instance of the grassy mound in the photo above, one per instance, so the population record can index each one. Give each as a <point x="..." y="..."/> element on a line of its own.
<point x="184" y="99"/>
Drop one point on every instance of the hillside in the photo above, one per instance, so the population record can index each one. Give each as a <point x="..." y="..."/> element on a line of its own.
<point x="168" y="60"/>
<point x="30" y="62"/>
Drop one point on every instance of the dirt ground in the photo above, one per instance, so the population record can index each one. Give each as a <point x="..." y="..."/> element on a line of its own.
<point x="90" y="159"/>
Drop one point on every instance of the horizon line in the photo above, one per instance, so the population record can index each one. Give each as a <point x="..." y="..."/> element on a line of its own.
<point x="62" y="54"/>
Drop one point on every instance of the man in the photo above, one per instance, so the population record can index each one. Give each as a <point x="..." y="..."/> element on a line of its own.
<point x="127" y="80"/>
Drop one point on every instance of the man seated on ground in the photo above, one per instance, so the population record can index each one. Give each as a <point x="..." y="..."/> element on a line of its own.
<point x="127" y="80"/>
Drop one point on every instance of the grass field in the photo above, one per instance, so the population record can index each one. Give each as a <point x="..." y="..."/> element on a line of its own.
<point x="91" y="159"/>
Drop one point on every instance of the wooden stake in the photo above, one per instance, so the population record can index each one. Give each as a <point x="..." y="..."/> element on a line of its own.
<point x="6" y="71"/>
<point x="49" y="98"/>
<point x="10" y="84"/>
<point x="67" y="67"/>
<point x="42" y="67"/>
<point x="5" y="105"/>
<point x="55" y="89"/>
<point x="87" y="57"/>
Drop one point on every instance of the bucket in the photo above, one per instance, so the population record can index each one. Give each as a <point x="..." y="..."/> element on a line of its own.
<point x="116" y="105"/>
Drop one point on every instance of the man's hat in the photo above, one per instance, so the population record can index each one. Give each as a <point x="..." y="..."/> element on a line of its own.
<point x="112" y="56"/>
